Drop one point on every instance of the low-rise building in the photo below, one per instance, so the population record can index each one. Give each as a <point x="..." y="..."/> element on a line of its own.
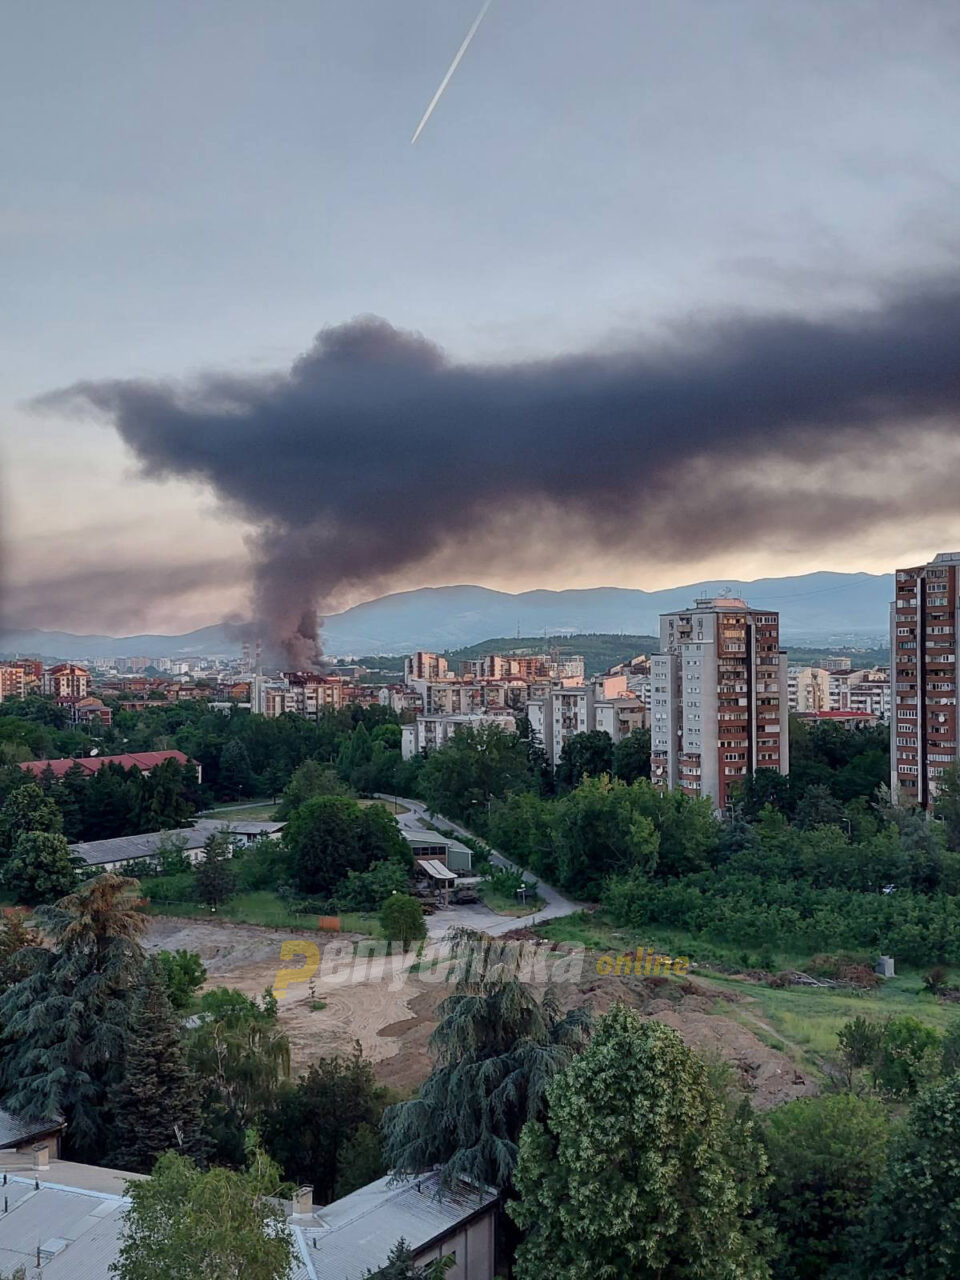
<point x="145" y="761"/>
<point x="64" y="1221"/>
<point x="87" y="711"/>
<point x="427" y="733"/>
<point x="145" y="849"/>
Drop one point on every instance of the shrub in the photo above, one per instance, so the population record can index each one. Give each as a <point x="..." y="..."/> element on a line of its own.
<point x="401" y="919"/>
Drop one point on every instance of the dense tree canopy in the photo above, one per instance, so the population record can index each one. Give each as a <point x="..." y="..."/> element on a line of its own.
<point x="183" y="1224"/>
<point x="826" y="1155"/>
<point x="330" y="836"/>
<point x="319" y="1129"/>
<point x="638" y="1169"/>
<point x="65" y="1025"/>
<point x="496" y="1049"/>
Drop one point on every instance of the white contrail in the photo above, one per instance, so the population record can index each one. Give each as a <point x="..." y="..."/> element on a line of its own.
<point x="453" y="66"/>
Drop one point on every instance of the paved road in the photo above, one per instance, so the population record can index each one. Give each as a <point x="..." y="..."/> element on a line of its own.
<point x="479" y="916"/>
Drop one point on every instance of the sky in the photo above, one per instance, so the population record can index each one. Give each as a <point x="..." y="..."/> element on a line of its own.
<point x="192" y="192"/>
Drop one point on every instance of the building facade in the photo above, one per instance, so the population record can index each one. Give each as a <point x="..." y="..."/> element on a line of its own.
<point x="66" y="680"/>
<point x="718" y="699"/>
<point x="923" y="647"/>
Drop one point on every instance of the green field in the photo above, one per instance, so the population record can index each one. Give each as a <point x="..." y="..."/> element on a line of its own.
<point x="507" y="904"/>
<point x="263" y="907"/>
<point x="255" y="811"/>
<point x="803" y="1021"/>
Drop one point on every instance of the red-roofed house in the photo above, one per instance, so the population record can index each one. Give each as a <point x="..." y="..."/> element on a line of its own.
<point x="142" y="760"/>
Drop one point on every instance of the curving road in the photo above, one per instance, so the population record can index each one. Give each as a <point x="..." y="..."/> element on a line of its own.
<point x="479" y="916"/>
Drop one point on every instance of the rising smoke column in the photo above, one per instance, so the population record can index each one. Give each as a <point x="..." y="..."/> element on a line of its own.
<point x="374" y="453"/>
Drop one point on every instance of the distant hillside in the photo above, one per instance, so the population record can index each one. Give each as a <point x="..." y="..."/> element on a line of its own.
<point x="600" y="652"/>
<point x="815" y="609"/>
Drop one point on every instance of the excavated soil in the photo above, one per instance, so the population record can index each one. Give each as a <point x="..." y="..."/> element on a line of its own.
<point x="391" y="1015"/>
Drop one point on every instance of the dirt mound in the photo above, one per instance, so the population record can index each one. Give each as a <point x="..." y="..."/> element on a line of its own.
<point x="766" y="1075"/>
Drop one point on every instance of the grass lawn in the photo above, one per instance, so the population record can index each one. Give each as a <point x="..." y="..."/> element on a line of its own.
<point x="394" y="806"/>
<point x="255" y="811"/>
<point x="263" y="907"/>
<point x="507" y="904"/>
<point x="808" y="1017"/>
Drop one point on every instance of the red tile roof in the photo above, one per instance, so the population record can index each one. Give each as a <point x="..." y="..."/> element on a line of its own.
<point x="143" y="760"/>
<point x="837" y="715"/>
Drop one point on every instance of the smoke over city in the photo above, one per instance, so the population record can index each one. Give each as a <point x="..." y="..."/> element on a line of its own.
<point x="375" y="454"/>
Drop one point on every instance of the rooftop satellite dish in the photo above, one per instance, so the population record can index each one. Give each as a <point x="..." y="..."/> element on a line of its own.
<point x="95" y="751"/>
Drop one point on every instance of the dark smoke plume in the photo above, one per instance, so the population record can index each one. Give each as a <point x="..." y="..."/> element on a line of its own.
<point x="374" y="453"/>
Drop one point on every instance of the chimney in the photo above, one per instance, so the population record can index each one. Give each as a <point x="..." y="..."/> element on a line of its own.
<point x="303" y="1200"/>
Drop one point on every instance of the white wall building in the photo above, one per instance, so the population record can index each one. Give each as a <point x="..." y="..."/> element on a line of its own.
<point x="427" y="733"/>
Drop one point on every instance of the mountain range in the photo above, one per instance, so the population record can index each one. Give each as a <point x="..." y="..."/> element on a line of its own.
<point x="834" y="608"/>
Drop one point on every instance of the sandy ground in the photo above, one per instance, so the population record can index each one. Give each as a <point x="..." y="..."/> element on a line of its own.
<point x="391" y="1014"/>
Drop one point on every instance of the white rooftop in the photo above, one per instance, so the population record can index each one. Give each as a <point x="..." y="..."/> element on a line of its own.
<point x="354" y="1235"/>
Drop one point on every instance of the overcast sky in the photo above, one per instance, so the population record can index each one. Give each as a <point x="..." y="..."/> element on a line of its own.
<point x="197" y="185"/>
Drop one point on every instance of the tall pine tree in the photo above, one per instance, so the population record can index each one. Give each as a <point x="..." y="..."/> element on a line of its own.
<point x="65" y="1025"/>
<point x="155" y="1106"/>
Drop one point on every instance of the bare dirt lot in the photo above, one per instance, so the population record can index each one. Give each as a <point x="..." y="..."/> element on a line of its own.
<point x="391" y="1014"/>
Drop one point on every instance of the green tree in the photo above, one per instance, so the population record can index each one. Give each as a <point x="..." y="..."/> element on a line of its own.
<point x="25" y="810"/>
<point x="912" y="1229"/>
<point x="310" y="779"/>
<point x="369" y="890"/>
<point x="585" y="754"/>
<point x="496" y="1050"/>
<point x="638" y="1169"/>
<point x="40" y="869"/>
<point x="65" y="1025"/>
<point x="329" y="836"/>
<point x="186" y="1225"/>
<point x="826" y="1155"/>
<point x="19" y="944"/>
<point x="240" y="1056"/>
<point x="475" y="766"/>
<point x="909" y="1056"/>
<point x="401" y="919"/>
<point x="818" y="807"/>
<point x="155" y="1106"/>
<point x="947" y="805"/>
<point x="401" y="1266"/>
<point x="310" y="1125"/>
<point x="216" y="883"/>
<point x="235" y="774"/>
<point x="183" y="975"/>
<point x="631" y="756"/>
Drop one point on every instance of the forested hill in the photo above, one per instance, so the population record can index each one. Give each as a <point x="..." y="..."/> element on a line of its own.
<point x="600" y="651"/>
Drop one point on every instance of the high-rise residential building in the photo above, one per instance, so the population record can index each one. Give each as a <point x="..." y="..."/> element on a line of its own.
<point x="923" y="646"/>
<point x="718" y="699"/>
<point x="425" y="666"/>
<point x="12" y="681"/>
<point x="66" y="680"/>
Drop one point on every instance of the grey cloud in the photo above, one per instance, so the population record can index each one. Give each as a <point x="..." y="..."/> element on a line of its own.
<point x="374" y="452"/>
<point x="116" y="597"/>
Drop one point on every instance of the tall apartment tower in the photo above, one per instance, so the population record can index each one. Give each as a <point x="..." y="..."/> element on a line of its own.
<point x="923" y="648"/>
<point x="718" y="699"/>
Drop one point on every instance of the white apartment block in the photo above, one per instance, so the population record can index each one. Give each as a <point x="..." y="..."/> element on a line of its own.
<point x="866" y="691"/>
<point x="808" y="689"/>
<point x="564" y="709"/>
<point x="719" y="694"/>
<point x="428" y="732"/>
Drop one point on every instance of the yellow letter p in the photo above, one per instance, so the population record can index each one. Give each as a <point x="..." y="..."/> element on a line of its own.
<point x="296" y="947"/>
